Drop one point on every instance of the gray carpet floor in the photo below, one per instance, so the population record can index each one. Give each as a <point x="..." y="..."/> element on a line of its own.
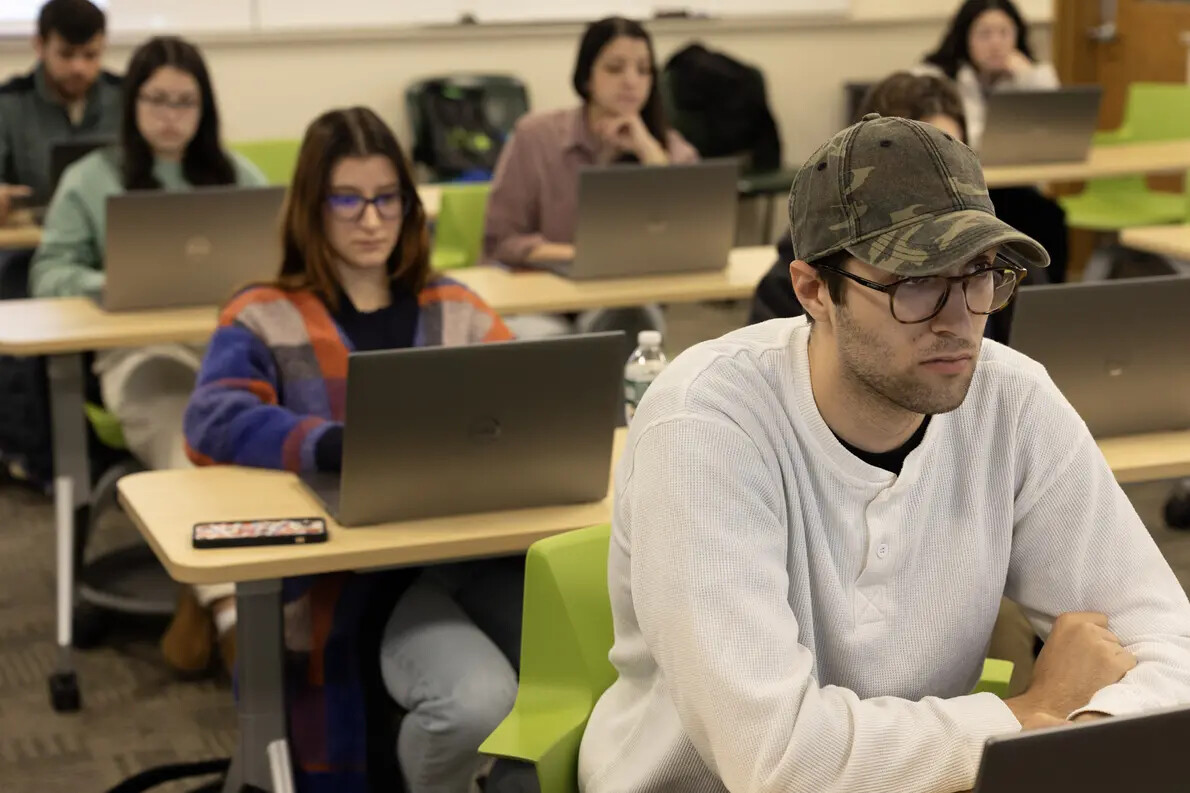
<point x="136" y="713"/>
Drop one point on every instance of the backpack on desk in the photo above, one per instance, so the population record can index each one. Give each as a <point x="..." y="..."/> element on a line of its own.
<point x="457" y="138"/>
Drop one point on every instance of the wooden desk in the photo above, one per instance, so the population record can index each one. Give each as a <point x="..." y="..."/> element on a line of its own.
<point x="1103" y="161"/>
<point x="541" y="292"/>
<point x="165" y="505"/>
<point x="19" y="232"/>
<point x="1171" y="241"/>
<point x="1145" y="458"/>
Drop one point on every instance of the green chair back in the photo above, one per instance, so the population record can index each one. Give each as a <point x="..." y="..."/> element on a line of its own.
<point x="458" y="229"/>
<point x="1152" y="112"/>
<point x="566" y="636"/>
<point x="277" y="159"/>
<point x="106" y="427"/>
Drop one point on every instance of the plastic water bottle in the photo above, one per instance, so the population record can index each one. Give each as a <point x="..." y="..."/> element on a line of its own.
<point x="645" y="363"/>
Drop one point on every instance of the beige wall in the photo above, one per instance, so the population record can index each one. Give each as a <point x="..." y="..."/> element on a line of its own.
<point x="272" y="86"/>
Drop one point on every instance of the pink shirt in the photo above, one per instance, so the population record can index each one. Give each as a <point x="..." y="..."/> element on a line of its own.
<point x="534" y="196"/>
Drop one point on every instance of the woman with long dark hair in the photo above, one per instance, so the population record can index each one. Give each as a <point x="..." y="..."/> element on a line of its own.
<point x="169" y="140"/>
<point x="533" y="206"/>
<point x="355" y="276"/>
<point x="986" y="50"/>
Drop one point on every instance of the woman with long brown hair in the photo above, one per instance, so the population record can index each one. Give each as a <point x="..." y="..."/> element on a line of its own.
<point x="355" y="276"/>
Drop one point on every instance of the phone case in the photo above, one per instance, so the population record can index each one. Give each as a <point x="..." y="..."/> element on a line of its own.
<point x="274" y="531"/>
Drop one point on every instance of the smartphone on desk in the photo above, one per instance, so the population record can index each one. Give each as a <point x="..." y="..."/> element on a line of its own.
<point x="274" y="531"/>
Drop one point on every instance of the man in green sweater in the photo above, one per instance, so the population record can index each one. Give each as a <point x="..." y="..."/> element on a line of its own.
<point x="67" y="96"/>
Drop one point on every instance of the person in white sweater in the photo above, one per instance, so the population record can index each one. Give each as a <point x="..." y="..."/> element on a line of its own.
<point x="815" y="518"/>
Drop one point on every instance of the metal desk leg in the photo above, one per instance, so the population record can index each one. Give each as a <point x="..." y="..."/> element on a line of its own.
<point x="261" y="703"/>
<point x="72" y="494"/>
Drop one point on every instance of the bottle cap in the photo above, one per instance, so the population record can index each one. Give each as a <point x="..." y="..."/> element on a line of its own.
<point x="648" y="338"/>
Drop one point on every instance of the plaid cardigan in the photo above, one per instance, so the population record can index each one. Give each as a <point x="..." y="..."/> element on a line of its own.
<point x="273" y="381"/>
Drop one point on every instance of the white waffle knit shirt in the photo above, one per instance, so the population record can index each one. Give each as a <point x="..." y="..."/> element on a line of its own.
<point x="789" y="618"/>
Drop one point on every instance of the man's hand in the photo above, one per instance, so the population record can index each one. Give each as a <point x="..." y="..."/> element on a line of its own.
<point x="1017" y="63"/>
<point x="1081" y="657"/>
<point x="7" y="193"/>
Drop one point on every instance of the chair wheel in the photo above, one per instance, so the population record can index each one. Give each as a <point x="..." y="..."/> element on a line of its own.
<point x="64" y="692"/>
<point x="89" y="626"/>
<point x="1177" y="509"/>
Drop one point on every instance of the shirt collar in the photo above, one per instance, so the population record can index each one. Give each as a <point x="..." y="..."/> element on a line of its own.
<point x="580" y="137"/>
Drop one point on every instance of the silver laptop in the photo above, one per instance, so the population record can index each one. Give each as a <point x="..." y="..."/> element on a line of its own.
<point x="1119" y="350"/>
<point x="1143" y="753"/>
<point x="1026" y="127"/>
<point x="166" y="249"/>
<point x="450" y="430"/>
<point x="640" y="220"/>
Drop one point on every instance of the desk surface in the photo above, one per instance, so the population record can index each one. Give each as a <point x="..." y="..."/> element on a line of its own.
<point x="1104" y="161"/>
<point x="543" y="292"/>
<point x="74" y="324"/>
<point x="1172" y="241"/>
<point x="19" y="232"/>
<point x="165" y="505"/>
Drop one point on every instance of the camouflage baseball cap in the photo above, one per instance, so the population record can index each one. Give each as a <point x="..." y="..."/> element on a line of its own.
<point x="902" y="196"/>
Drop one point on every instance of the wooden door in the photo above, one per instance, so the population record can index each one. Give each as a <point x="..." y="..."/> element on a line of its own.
<point x="1117" y="42"/>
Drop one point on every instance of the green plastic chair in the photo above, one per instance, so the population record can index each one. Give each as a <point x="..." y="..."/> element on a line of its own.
<point x="106" y="427"/>
<point x="277" y="159"/>
<point x="1154" y="112"/>
<point x="565" y="639"/>
<point x="458" y="229"/>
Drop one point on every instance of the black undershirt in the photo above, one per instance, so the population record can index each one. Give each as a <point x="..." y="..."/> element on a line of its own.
<point x="891" y="461"/>
<point x="390" y="328"/>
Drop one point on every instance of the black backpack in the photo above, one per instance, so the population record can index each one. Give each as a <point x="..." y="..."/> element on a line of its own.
<point x="460" y="124"/>
<point x="719" y="105"/>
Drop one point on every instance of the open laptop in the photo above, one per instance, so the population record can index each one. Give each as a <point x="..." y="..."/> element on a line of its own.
<point x="643" y="220"/>
<point x="1131" y="753"/>
<point x="171" y="249"/>
<point x="1119" y="350"/>
<point x="1026" y="127"/>
<point x="450" y="430"/>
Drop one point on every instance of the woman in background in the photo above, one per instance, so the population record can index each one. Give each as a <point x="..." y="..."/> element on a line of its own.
<point x="355" y="276"/>
<point x="533" y="208"/>
<point x="986" y="50"/>
<point x="169" y="141"/>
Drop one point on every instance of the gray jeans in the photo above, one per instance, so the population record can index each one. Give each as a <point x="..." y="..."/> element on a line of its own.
<point x="449" y="657"/>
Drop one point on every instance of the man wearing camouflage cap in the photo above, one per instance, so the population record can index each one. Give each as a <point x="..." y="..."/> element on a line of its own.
<point x="815" y="518"/>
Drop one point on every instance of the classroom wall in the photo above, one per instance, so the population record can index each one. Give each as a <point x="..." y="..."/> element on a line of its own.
<point x="271" y="86"/>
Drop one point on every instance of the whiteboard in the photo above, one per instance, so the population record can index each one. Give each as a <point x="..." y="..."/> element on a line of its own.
<point x="19" y="17"/>
<point x="180" y="16"/>
<point x="347" y="14"/>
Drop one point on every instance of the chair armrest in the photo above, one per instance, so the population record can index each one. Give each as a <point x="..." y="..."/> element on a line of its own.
<point x="996" y="676"/>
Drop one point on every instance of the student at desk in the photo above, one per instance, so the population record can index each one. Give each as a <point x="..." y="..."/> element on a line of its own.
<point x="355" y="275"/>
<point x="170" y="141"/>
<point x="68" y="95"/>
<point x="985" y="50"/>
<point x="815" y="518"/>
<point x="533" y="207"/>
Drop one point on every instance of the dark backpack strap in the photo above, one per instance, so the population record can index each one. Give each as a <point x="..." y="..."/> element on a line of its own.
<point x="152" y="777"/>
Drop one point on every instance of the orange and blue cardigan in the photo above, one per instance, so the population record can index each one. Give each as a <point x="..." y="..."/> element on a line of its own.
<point x="273" y="381"/>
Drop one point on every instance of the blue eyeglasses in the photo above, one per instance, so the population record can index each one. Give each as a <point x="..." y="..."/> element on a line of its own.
<point x="350" y="207"/>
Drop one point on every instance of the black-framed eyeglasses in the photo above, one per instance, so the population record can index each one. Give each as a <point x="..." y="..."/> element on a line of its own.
<point x="913" y="300"/>
<point x="350" y="207"/>
<point x="160" y="102"/>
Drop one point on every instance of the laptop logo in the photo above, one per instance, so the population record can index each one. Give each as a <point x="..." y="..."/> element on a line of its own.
<point x="656" y="226"/>
<point x="485" y="430"/>
<point x="197" y="248"/>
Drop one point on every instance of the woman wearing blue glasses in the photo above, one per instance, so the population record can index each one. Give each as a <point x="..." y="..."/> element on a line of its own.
<point x="355" y="275"/>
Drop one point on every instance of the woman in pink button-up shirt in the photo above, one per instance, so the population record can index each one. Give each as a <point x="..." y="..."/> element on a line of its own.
<point x="533" y="206"/>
